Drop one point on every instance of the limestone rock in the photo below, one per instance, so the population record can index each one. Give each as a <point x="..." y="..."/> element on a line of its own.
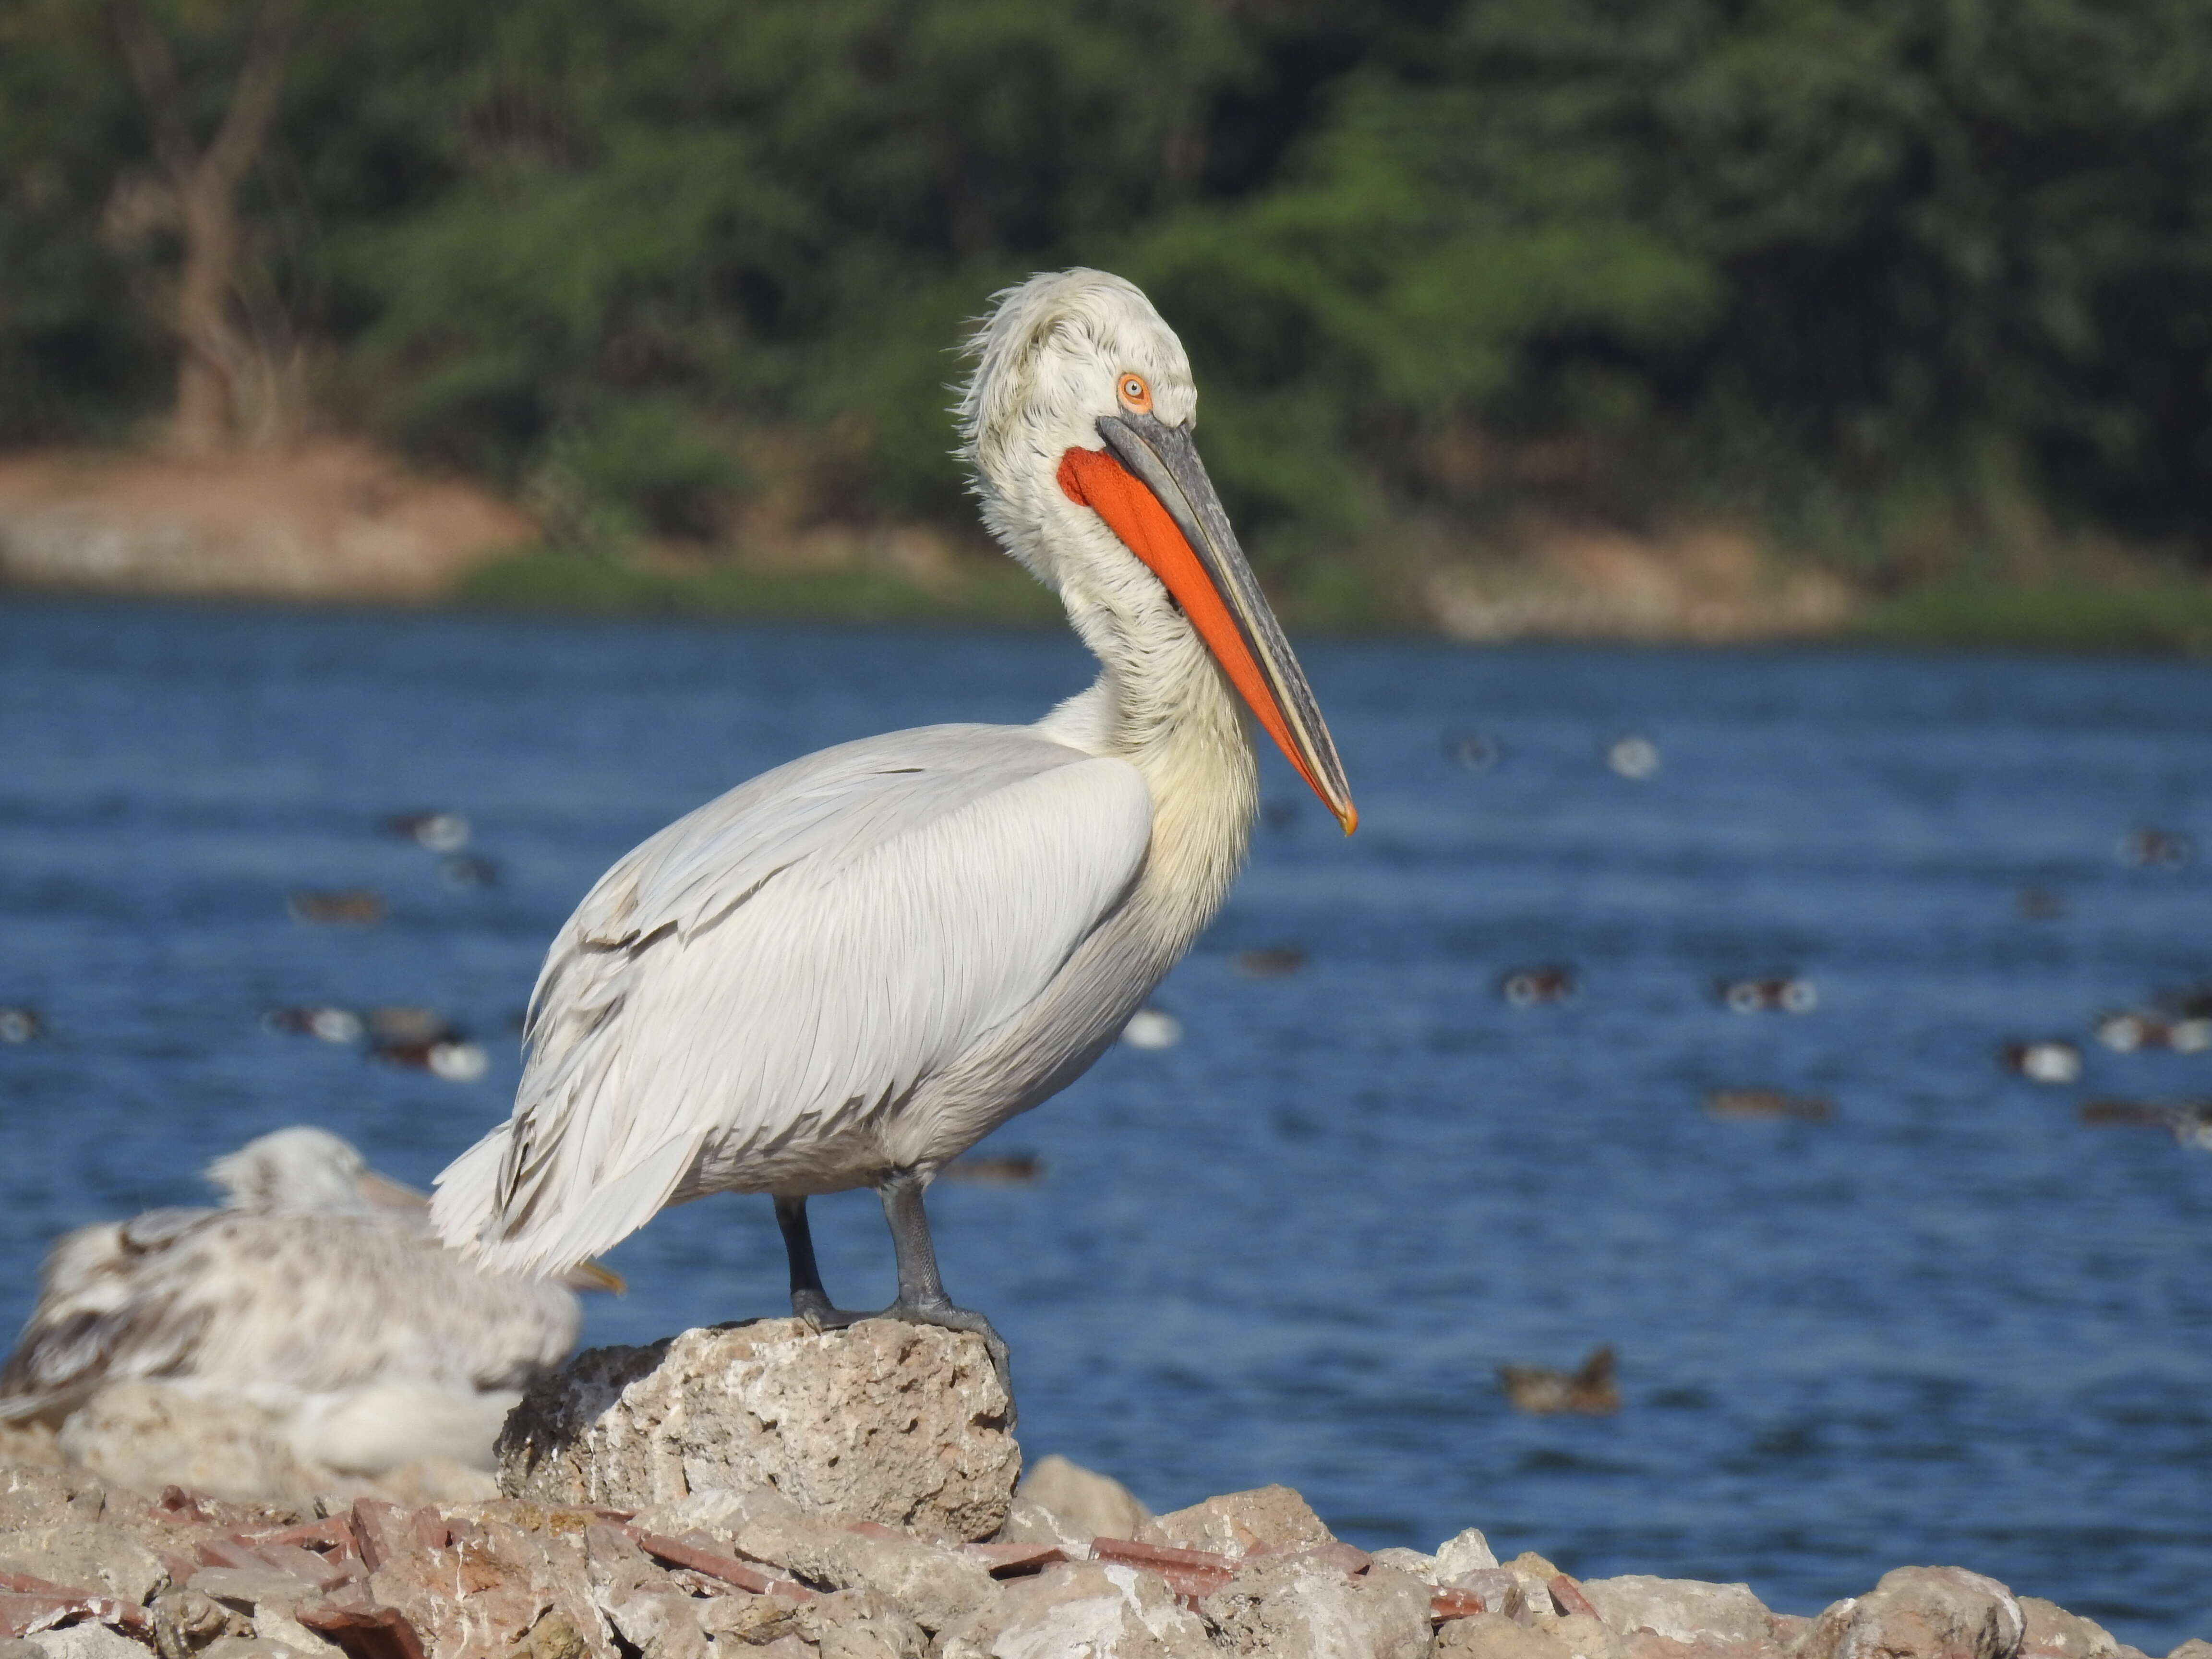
<point x="1585" y="1637"/>
<point x="2054" y="1633"/>
<point x="185" y="1620"/>
<point x="1100" y="1610"/>
<point x="1466" y="1552"/>
<point x="858" y="1625"/>
<point x="1494" y="1636"/>
<point x="1238" y="1523"/>
<point x="1534" y="1575"/>
<point x="936" y="1587"/>
<point x="63" y="1526"/>
<point x="86" y="1641"/>
<point x="901" y="1424"/>
<point x="1502" y="1590"/>
<point x="1294" y="1605"/>
<point x="2194" y="1647"/>
<point x="1684" y="1610"/>
<point x="1412" y="1563"/>
<point x="1921" y="1612"/>
<point x="715" y="1511"/>
<point x="657" y="1620"/>
<point x="1085" y="1503"/>
<point x="276" y="1624"/>
<point x="1030" y="1523"/>
<point x="480" y="1595"/>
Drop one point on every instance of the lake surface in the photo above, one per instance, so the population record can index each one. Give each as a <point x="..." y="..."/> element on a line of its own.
<point x="1950" y="1324"/>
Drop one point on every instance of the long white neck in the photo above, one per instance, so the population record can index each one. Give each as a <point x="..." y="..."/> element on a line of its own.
<point x="1160" y="704"/>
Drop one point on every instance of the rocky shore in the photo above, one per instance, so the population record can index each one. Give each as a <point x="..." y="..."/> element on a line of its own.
<point x="768" y="1491"/>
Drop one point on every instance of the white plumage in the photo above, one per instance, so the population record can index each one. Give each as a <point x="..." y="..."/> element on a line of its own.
<point x="849" y="969"/>
<point x="317" y="1293"/>
<point x="745" y="977"/>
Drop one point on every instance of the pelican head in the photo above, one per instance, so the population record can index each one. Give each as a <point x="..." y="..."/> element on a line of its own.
<point x="304" y="1170"/>
<point x="1077" y="426"/>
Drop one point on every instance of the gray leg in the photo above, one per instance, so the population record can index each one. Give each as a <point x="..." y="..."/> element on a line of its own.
<point x="809" y="1301"/>
<point x="922" y="1297"/>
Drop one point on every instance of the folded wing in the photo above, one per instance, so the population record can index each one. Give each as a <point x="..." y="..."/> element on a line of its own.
<point x="771" y="970"/>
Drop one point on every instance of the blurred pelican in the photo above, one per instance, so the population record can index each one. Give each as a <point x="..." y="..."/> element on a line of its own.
<point x="317" y="1292"/>
<point x="848" y="971"/>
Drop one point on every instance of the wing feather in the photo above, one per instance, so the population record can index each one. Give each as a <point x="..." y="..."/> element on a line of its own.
<point x="786" y="962"/>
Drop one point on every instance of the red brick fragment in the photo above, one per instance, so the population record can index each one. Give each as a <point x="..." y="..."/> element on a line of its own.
<point x="1567" y="1596"/>
<point x="364" y="1632"/>
<point x="22" y="1612"/>
<point x="106" y="1609"/>
<point x="725" y="1568"/>
<point x="382" y="1531"/>
<point x="23" y="1584"/>
<point x="331" y="1533"/>
<point x="1193" y="1575"/>
<point x="1160" y="1555"/>
<point x="1010" y="1560"/>
<point x="372" y="1526"/>
<point x="1454" y="1604"/>
<point x="429" y="1529"/>
<point x="175" y="1500"/>
<point x="221" y="1552"/>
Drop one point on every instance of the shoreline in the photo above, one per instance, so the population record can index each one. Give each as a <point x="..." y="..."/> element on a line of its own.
<point x="2065" y="623"/>
<point x="339" y="523"/>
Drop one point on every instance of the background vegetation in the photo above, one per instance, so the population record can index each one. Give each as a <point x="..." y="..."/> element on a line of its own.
<point x="1922" y="289"/>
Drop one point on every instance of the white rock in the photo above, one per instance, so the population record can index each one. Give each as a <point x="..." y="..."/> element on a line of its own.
<point x="1684" y="1610"/>
<point x="901" y="1424"/>
<point x="275" y="1623"/>
<point x="1412" y="1563"/>
<point x="1921" y="1612"/>
<point x="1085" y="1503"/>
<point x="1093" y="1610"/>
<point x="715" y="1510"/>
<point x="1031" y="1522"/>
<point x="657" y="1620"/>
<point x="1466" y="1552"/>
<point x="87" y="1641"/>
<point x="1238" y="1522"/>
<point x="1289" y="1606"/>
<point x="935" y="1586"/>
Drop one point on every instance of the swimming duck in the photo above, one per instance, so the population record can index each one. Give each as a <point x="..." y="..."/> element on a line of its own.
<point x="1538" y="1389"/>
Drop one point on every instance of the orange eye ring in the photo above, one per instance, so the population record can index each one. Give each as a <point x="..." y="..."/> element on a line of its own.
<point x="1136" y="397"/>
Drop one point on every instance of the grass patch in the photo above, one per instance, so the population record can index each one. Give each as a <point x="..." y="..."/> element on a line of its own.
<point x="2165" y="616"/>
<point x="540" y="579"/>
<point x="2162" y="615"/>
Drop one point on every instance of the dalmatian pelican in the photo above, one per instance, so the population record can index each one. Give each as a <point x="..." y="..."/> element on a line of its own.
<point x="849" y="969"/>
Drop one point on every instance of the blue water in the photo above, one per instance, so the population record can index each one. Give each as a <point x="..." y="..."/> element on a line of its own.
<point x="1951" y="1324"/>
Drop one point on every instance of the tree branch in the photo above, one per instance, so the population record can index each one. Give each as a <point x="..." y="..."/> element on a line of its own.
<point x="155" y="72"/>
<point x="253" y="104"/>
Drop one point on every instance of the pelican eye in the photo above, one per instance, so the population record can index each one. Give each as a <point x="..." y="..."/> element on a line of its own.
<point x="1136" y="395"/>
